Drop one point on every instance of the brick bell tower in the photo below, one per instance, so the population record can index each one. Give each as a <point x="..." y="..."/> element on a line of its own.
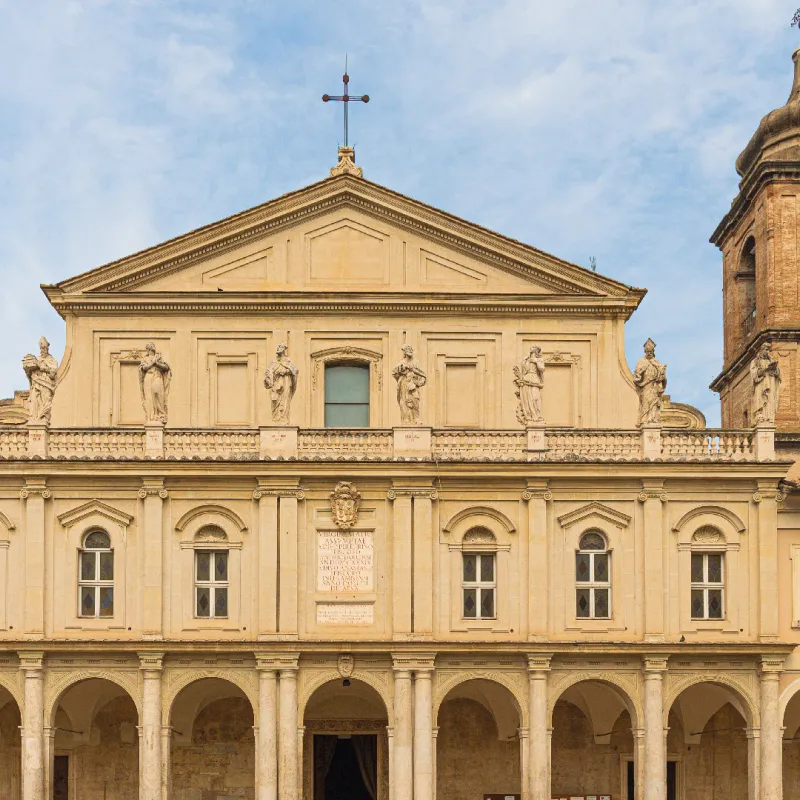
<point x="760" y="242"/>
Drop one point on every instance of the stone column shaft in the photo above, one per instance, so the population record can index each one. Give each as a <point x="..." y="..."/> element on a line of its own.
<point x="538" y="734"/>
<point x="33" y="755"/>
<point x="771" y="733"/>
<point x="655" y="750"/>
<point x="402" y="780"/>
<point x="267" y="753"/>
<point x="288" y="767"/>
<point x="423" y="735"/>
<point x="150" y="730"/>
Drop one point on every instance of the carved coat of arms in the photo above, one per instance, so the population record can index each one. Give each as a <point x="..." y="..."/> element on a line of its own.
<point x="346" y="664"/>
<point x="344" y="504"/>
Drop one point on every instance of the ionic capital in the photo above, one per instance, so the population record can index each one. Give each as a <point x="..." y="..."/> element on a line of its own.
<point x="153" y="487"/>
<point x="428" y="494"/>
<point x="35" y="486"/>
<point x="265" y="491"/>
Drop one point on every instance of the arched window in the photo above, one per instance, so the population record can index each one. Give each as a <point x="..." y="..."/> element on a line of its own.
<point x="479" y="575"/>
<point x="347" y="395"/>
<point x="211" y="573"/>
<point x="593" y="577"/>
<point x="746" y="280"/>
<point x="708" y="574"/>
<point x="96" y="576"/>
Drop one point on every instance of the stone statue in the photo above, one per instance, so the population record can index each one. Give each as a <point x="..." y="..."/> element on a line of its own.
<point x="155" y="376"/>
<point x="410" y="379"/>
<point x="650" y="379"/>
<point x="41" y="374"/>
<point x="765" y="374"/>
<point x="529" y="380"/>
<point x="281" y="380"/>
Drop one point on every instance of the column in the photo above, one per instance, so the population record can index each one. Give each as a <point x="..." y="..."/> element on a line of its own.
<point x="153" y="495"/>
<point x="537" y="495"/>
<point x="49" y="759"/>
<point x="423" y="732"/>
<point x="267" y="739"/>
<point x="655" y="749"/>
<point x="652" y="497"/>
<point x="267" y="580"/>
<point x="33" y="756"/>
<point x="423" y="561"/>
<point x="524" y="765"/>
<point x="767" y="511"/>
<point x="753" y="762"/>
<point x="150" y="729"/>
<point x="771" y="730"/>
<point x="166" y="762"/>
<point x="401" y="561"/>
<point x="402" y="778"/>
<point x="34" y="496"/>
<point x="288" y="767"/>
<point x="538" y="787"/>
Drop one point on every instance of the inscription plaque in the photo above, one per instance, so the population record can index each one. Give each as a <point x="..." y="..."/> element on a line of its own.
<point x="345" y="614"/>
<point x="345" y="561"/>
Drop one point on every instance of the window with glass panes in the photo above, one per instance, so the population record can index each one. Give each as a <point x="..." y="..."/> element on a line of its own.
<point x="592" y="578"/>
<point x="211" y="583"/>
<point x="479" y="585"/>
<point x="708" y="587"/>
<point x="347" y="396"/>
<point x="96" y="576"/>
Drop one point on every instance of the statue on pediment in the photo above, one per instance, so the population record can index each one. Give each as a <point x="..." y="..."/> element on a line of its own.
<point x="410" y="379"/>
<point x="41" y="371"/>
<point x="155" y="376"/>
<point x="281" y="380"/>
<point x="765" y="375"/>
<point x="529" y="380"/>
<point x="650" y="379"/>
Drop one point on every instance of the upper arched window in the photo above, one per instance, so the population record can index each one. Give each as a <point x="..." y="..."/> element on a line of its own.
<point x="746" y="280"/>
<point x="593" y="577"/>
<point x="347" y="395"/>
<point x="96" y="576"/>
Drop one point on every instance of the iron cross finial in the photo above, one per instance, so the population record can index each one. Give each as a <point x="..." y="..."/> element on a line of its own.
<point x="345" y="98"/>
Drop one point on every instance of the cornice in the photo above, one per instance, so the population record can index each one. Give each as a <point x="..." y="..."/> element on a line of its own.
<point x="729" y="372"/>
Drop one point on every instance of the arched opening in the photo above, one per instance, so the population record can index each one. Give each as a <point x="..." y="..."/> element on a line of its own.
<point x="478" y="745"/>
<point x="345" y="747"/>
<point x="791" y="748"/>
<point x="746" y="284"/>
<point x="10" y="745"/>
<point x="707" y="737"/>
<point x="212" y="750"/>
<point x="592" y="749"/>
<point x="95" y="747"/>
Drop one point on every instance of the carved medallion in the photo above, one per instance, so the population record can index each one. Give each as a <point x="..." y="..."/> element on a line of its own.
<point x="708" y="535"/>
<point x="344" y="504"/>
<point x="346" y="665"/>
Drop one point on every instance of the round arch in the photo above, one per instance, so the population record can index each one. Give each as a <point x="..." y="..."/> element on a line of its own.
<point x="748" y="704"/>
<point x="787" y="695"/>
<point x="626" y="690"/>
<point x="13" y="689"/>
<point x="56" y="691"/>
<point x="182" y="680"/>
<point x="447" y="685"/>
<point x="319" y="679"/>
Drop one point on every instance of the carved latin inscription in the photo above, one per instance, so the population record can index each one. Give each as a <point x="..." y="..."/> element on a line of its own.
<point x="345" y="614"/>
<point x="345" y="561"/>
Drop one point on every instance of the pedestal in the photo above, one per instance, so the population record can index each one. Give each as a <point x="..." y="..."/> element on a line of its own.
<point x="153" y="440"/>
<point x="278" y="443"/>
<point x="537" y="439"/>
<point x="764" y="442"/>
<point x="651" y="440"/>
<point x="38" y="433"/>
<point x="412" y="442"/>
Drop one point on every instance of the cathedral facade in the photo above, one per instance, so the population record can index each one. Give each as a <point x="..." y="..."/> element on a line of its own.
<point x="344" y="496"/>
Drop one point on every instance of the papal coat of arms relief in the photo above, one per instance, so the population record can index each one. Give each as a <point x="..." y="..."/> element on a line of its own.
<point x="344" y="505"/>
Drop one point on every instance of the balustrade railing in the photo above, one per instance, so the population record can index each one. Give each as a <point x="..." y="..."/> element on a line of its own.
<point x="355" y="444"/>
<point x="202" y="444"/>
<point x="716" y="445"/>
<point x="593" y="444"/>
<point x="450" y="445"/>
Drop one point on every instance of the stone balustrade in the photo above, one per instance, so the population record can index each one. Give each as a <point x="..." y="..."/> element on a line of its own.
<point x="360" y="444"/>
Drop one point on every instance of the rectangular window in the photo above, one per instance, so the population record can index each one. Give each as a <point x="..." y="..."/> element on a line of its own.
<point x="96" y="582"/>
<point x="479" y="586"/>
<point x="593" y="585"/>
<point x="708" y="586"/>
<point x="211" y="583"/>
<point x="347" y="396"/>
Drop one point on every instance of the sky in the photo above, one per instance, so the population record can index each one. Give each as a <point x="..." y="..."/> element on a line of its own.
<point x="587" y="128"/>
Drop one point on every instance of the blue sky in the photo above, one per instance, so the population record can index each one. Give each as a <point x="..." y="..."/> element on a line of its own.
<point x="604" y="128"/>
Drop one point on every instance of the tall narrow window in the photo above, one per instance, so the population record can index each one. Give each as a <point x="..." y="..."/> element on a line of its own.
<point x="592" y="578"/>
<point x="708" y="586"/>
<point x="480" y="585"/>
<point x="211" y="583"/>
<point x="96" y="576"/>
<point x="347" y="396"/>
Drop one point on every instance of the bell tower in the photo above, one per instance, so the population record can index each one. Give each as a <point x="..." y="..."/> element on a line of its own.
<point x="760" y="242"/>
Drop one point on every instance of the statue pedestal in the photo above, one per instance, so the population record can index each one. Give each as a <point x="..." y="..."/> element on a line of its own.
<point x="278" y="443"/>
<point x="153" y="440"/>
<point x="537" y="439"/>
<point x="764" y="442"/>
<point x="651" y="440"/>
<point x="38" y="434"/>
<point x="412" y="442"/>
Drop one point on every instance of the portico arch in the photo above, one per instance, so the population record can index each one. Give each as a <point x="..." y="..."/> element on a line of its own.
<point x="10" y="744"/>
<point x="790" y="714"/>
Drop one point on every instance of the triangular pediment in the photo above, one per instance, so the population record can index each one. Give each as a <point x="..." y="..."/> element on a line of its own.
<point x="595" y="510"/>
<point x="343" y="235"/>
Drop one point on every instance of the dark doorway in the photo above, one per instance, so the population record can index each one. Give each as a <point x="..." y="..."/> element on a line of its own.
<point x="61" y="778"/>
<point x="345" y="768"/>
<point x="672" y="780"/>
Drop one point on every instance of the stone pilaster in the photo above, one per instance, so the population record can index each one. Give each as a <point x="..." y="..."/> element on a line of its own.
<point x="766" y="498"/>
<point x="771" y="787"/>
<point x="538" y="786"/>
<point x="153" y="494"/>
<point x="150" y="730"/>
<point x="267" y="738"/>
<point x="655" y="744"/>
<point x="288" y="751"/>
<point x="401" y="560"/>
<point x="402" y="778"/>
<point x="538" y="496"/>
<point x="33" y="755"/>
<point x="34" y="496"/>
<point x="652" y="497"/>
